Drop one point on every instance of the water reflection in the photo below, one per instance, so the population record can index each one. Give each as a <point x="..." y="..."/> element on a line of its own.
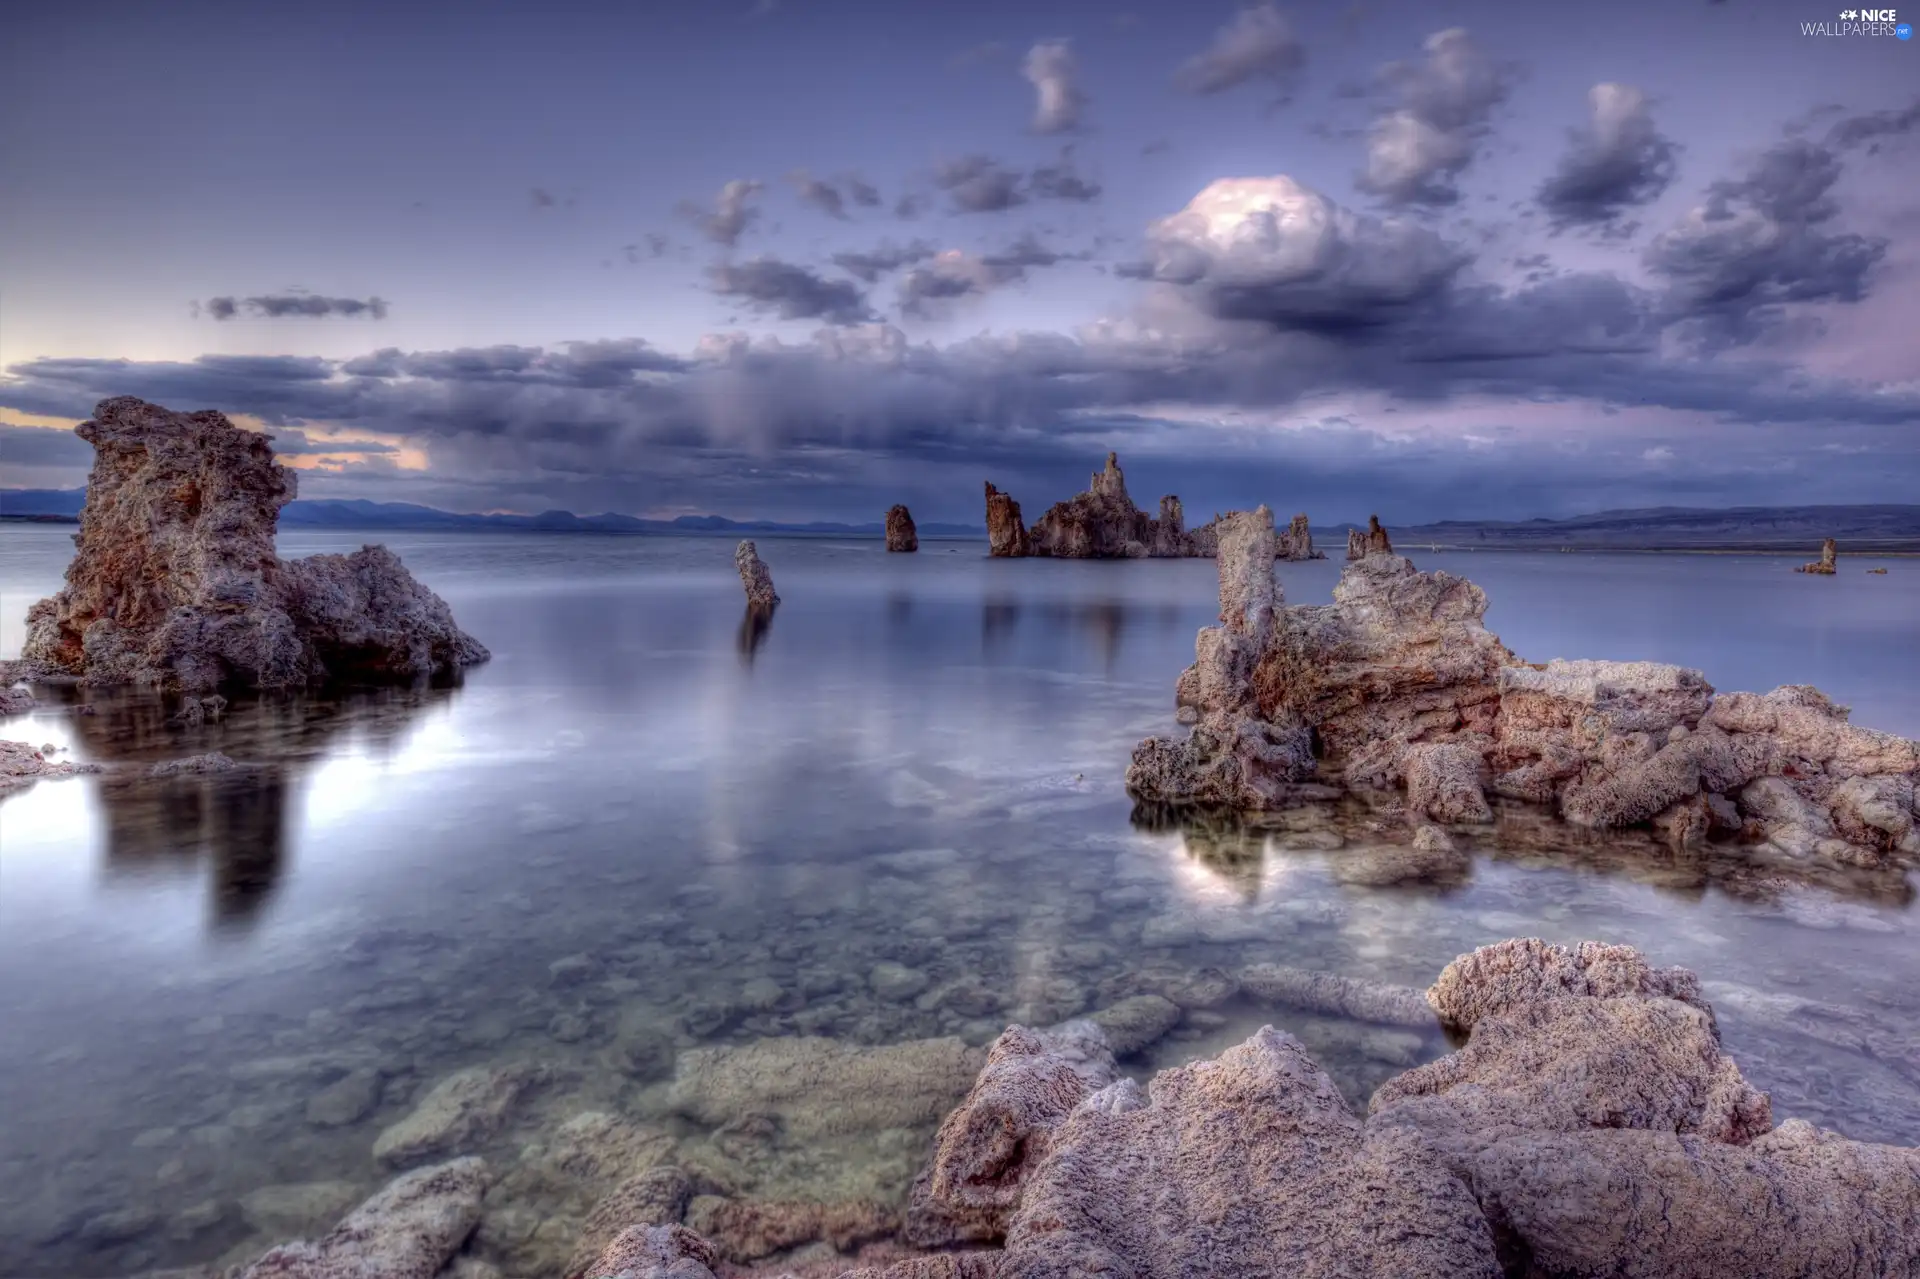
<point x="1101" y="622"/>
<point x="234" y="818"/>
<point x="754" y="625"/>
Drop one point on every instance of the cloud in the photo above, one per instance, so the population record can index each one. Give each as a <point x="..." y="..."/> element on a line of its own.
<point x="1417" y="150"/>
<point x="862" y="192"/>
<point x="1273" y="250"/>
<point x="542" y="198"/>
<point x="277" y="306"/>
<point x="1259" y="44"/>
<point x="1618" y="160"/>
<point x="870" y="264"/>
<point x="40" y="446"/>
<point x="791" y="292"/>
<point x="1764" y="241"/>
<point x="927" y="291"/>
<point x="1051" y="69"/>
<point x="832" y="196"/>
<point x="1870" y="128"/>
<point x="979" y="184"/>
<point x="732" y="213"/>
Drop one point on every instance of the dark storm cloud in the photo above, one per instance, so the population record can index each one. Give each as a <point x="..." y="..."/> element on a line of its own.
<point x="791" y="292"/>
<point x="980" y="184"/>
<point x="1619" y="159"/>
<point x="1259" y="44"/>
<point x="870" y="264"/>
<point x="1055" y="76"/>
<point x="732" y="213"/>
<point x="1870" y="128"/>
<point x="1765" y="241"/>
<point x="277" y="306"/>
<point x="1417" y="149"/>
<point x="23" y="446"/>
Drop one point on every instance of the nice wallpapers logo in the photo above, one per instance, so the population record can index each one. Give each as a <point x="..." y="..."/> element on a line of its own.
<point x="1862" y="22"/>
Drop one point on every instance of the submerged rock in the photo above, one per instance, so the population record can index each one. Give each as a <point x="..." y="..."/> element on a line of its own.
<point x="407" y="1231"/>
<point x="176" y="583"/>
<point x="1825" y="565"/>
<point x="818" y="1086"/>
<point x="21" y="766"/>
<point x="1006" y="535"/>
<point x="901" y="535"/>
<point x="754" y="576"/>
<point x="1399" y="683"/>
<point x="465" y="1107"/>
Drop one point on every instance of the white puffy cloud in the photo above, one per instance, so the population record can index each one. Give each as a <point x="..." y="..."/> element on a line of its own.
<point x="1417" y="150"/>
<point x="1051" y="69"/>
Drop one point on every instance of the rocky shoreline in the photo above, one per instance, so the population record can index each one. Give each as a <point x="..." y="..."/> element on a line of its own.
<point x="1399" y="685"/>
<point x="1588" y="1123"/>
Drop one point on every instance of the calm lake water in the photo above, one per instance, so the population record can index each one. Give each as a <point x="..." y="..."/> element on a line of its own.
<point x="895" y="813"/>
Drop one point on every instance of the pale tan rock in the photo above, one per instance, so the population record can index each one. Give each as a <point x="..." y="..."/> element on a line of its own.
<point x="745" y="1230"/>
<point x="406" y="1231"/>
<point x="464" y="1108"/>
<point x="1334" y="993"/>
<point x="1295" y="542"/>
<point x="820" y="1087"/>
<point x="656" y="1252"/>
<point x="1444" y="782"/>
<point x="1825" y="566"/>
<point x="1526" y="970"/>
<point x="21" y="766"/>
<point x="754" y="576"/>
<point x="656" y="1197"/>
<point x="1247" y="1165"/>
<point x="175" y="581"/>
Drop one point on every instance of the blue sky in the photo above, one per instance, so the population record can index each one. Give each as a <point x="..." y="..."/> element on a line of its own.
<point x="1333" y="257"/>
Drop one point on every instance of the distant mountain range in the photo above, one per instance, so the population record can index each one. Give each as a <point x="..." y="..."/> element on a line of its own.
<point x="1858" y="529"/>
<point x="63" y="505"/>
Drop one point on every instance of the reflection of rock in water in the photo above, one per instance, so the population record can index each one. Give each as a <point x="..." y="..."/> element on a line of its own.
<point x="899" y="608"/>
<point x="754" y="625"/>
<point x="236" y="820"/>
<point x="1369" y="844"/>
<point x="998" y="617"/>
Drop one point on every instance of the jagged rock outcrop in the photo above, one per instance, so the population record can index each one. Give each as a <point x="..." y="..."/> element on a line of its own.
<point x="175" y="581"/>
<point x="901" y="535"/>
<point x="1295" y="542"/>
<point x="1006" y="535"/>
<point x="1399" y="683"/>
<point x="1101" y="523"/>
<point x="15" y="701"/>
<point x="1372" y="540"/>
<point x="1826" y="564"/>
<point x="407" y="1231"/>
<point x="754" y="577"/>
<point x="21" y="766"/>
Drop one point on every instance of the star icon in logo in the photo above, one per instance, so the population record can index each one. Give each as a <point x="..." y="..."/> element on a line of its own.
<point x="1848" y="15"/>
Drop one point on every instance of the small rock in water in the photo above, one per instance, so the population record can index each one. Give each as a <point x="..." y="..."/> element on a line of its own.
<point x="288" y="1211"/>
<point x="762" y="994"/>
<point x="211" y="762"/>
<point x="754" y="576"/>
<point x="120" y="1226"/>
<point x="896" y="983"/>
<point x="569" y="1027"/>
<point x="15" y="701"/>
<point x="572" y="970"/>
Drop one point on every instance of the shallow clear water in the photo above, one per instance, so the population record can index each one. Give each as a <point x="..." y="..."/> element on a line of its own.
<point x="918" y="763"/>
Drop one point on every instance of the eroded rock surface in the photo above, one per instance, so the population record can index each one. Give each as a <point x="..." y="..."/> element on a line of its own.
<point x="1398" y="683"/>
<point x="1295" y="542"/>
<point x="1101" y="523"/>
<point x="754" y="577"/>
<point x="176" y="583"/>
<point x="901" y="535"/>
<point x="1826" y="565"/>
<point x="407" y="1231"/>
<point x="1372" y="540"/>
<point x="817" y="1086"/>
<point x="21" y="766"/>
<point x="465" y="1107"/>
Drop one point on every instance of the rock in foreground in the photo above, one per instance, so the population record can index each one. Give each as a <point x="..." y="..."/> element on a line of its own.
<point x="901" y="535"/>
<point x="754" y="576"/>
<point x="407" y="1231"/>
<point x="1398" y="683"/>
<point x="176" y="583"/>
<point x="21" y="766"/>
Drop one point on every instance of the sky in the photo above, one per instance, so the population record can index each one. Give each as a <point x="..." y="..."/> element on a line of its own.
<point x="801" y="259"/>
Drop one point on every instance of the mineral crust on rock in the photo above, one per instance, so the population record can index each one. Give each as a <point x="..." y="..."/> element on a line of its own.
<point x="175" y="582"/>
<point x="1825" y="565"/>
<point x="901" y="535"/>
<point x="1101" y="523"/>
<point x="1295" y="542"/>
<point x="1398" y="683"/>
<point x="754" y="577"/>
<point x="407" y="1231"/>
<point x="1006" y="535"/>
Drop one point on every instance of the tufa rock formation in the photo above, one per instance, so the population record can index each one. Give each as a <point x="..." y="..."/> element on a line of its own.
<point x="1825" y="565"/>
<point x="176" y="583"/>
<point x="1590" y="1125"/>
<point x="1101" y="523"/>
<point x="1372" y="541"/>
<point x="754" y="577"/>
<point x="901" y="535"/>
<point x="1295" y="542"/>
<point x="1399" y="683"/>
<point x="1006" y="535"/>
